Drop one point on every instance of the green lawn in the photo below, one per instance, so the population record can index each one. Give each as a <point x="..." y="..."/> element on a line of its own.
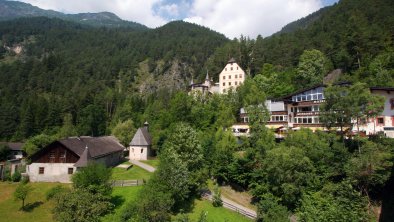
<point x="215" y="214"/>
<point x="39" y="209"/>
<point x="120" y="197"/>
<point x="134" y="173"/>
<point x="154" y="163"/>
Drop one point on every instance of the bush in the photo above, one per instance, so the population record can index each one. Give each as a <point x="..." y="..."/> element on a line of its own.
<point x="216" y="198"/>
<point x="95" y="178"/>
<point x="16" y="177"/>
<point x="54" y="192"/>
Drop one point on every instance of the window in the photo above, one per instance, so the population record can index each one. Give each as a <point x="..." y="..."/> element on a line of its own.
<point x="229" y="83"/>
<point x="40" y="170"/>
<point x="380" y="120"/>
<point x="142" y="150"/>
<point x="240" y="76"/>
<point x="236" y="76"/>
<point x="225" y="69"/>
<point x="229" y="77"/>
<point x="237" y="67"/>
<point x="392" y="103"/>
<point x="52" y="154"/>
<point x="224" y="84"/>
<point x="314" y="94"/>
<point x="305" y="109"/>
<point x="236" y="83"/>
<point x="70" y="170"/>
<point x="63" y="154"/>
<point x="224" y="77"/>
<point x="231" y="68"/>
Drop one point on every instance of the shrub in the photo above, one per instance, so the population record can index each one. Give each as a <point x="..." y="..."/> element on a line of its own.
<point x="16" y="177"/>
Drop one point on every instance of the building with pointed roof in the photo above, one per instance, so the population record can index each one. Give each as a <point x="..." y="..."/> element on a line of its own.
<point x="60" y="159"/>
<point x="141" y="144"/>
<point x="231" y="77"/>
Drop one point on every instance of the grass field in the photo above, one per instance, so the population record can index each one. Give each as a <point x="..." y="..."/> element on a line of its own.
<point x="215" y="214"/>
<point x="38" y="208"/>
<point x="134" y="173"/>
<point x="120" y="197"/>
<point x="154" y="163"/>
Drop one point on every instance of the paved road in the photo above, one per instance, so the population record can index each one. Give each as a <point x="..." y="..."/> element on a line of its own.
<point x="143" y="165"/>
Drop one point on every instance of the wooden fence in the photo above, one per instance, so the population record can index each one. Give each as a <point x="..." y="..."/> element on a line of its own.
<point x="126" y="183"/>
<point x="208" y="196"/>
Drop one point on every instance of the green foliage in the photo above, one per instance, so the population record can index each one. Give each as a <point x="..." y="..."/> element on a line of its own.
<point x="183" y="140"/>
<point x="269" y="209"/>
<point x="335" y="202"/>
<point x="217" y="197"/>
<point x="36" y="143"/>
<point x="55" y="192"/>
<point x="68" y="129"/>
<point x="82" y="206"/>
<point x="287" y="172"/>
<point x="371" y="167"/>
<point x="124" y="131"/>
<point x="21" y="193"/>
<point x="16" y="177"/>
<point x="312" y="68"/>
<point x="93" y="178"/>
<point x="4" y="152"/>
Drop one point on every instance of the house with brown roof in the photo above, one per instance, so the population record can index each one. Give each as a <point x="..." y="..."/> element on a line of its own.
<point x="140" y="145"/>
<point x="60" y="159"/>
<point x="14" y="161"/>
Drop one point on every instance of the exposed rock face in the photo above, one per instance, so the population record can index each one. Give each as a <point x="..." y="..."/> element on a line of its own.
<point x="171" y="76"/>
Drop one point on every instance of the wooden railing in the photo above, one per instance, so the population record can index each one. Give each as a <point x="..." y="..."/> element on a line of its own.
<point x="207" y="195"/>
<point x="126" y="183"/>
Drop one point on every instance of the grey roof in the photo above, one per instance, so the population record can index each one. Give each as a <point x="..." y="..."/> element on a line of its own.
<point x="13" y="146"/>
<point x="232" y="60"/>
<point x="84" y="158"/>
<point x="98" y="146"/>
<point x="141" y="137"/>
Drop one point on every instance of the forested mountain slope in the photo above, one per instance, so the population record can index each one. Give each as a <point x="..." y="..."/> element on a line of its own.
<point x="50" y="67"/>
<point x="13" y="9"/>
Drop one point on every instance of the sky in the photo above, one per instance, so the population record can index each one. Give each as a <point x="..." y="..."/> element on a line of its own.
<point x="233" y="18"/>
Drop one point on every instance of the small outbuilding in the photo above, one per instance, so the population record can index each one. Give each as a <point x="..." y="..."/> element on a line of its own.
<point x="140" y="145"/>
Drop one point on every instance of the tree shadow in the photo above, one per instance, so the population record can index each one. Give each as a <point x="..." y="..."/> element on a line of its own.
<point x="186" y="206"/>
<point x="117" y="201"/>
<point x="387" y="211"/>
<point x="30" y="206"/>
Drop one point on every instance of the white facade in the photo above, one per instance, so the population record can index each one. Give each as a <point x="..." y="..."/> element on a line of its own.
<point x="384" y="122"/>
<point x="139" y="153"/>
<point x="50" y="172"/>
<point x="231" y="76"/>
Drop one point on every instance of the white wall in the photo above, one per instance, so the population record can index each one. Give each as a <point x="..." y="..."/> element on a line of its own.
<point x="388" y="114"/>
<point x="53" y="172"/>
<point x="139" y="153"/>
<point x="227" y="77"/>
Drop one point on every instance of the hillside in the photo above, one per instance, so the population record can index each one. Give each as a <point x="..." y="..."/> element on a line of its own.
<point x="355" y="36"/>
<point x="63" y="67"/>
<point x="303" y="23"/>
<point x="12" y="9"/>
